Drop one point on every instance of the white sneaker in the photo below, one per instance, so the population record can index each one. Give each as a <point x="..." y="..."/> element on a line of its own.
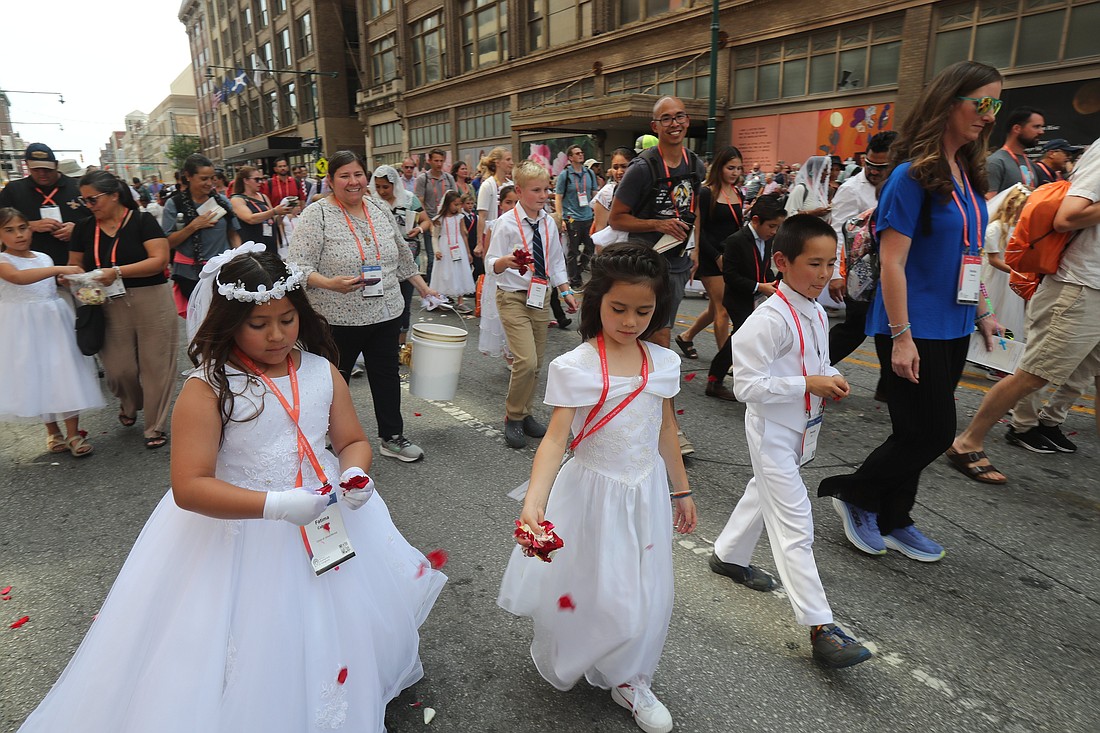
<point x="649" y="713"/>
<point x="401" y="448"/>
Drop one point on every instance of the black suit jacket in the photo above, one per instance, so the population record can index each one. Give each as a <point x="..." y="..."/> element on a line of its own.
<point x="742" y="269"/>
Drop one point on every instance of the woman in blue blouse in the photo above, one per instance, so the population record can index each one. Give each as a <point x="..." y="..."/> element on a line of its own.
<point x="931" y="215"/>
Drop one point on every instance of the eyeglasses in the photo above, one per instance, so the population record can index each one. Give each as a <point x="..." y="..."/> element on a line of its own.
<point x="985" y="105"/>
<point x="666" y="120"/>
<point x="878" y="166"/>
<point x="256" y="178"/>
<point x="89" y="201"/>
<point x="409" y="167"/>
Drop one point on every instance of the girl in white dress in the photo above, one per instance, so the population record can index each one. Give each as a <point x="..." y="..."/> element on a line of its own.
<point x="1004" y="212"/>
<point x="220" y="620"/>
<point x="491" y="340"/>
<point x="452" y="275"/>
<point x="47" y="377"/>
<point x="601" y="608"/>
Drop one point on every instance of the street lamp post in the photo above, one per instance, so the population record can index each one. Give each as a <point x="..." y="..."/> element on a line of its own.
<point x="712" y="110"/>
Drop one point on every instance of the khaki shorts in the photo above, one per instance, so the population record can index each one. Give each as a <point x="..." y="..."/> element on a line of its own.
<point x="1063" y="331"/>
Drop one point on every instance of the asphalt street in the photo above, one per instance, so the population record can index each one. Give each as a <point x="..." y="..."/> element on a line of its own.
<point x="999" y="636"/>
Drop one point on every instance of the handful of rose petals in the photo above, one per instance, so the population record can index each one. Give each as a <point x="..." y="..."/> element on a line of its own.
<point x="523" y="259"/>
<point x="355" y="482"/>
<point x="542" y="545"/>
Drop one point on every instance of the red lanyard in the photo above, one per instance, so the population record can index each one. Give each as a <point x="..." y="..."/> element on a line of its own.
<point x="118" y="238"/>
<point x="966" y="217"/>
<point x="470" y="228"/>
<point x="736" y="218"/>
<point x="584" y="178"/>
<point x="47" y="198"/>
<point x="801" y="342"/>
<point x="545" y="228"/>
<point x="671" y="188"/>
<point x="294" y="411"/>
<point x="436" y="183"/>
<point x="1050" y="174"/>
<point x="456" y="240"/>
<point x="603" y="396"/>
<point x="351" y="228"/>
<point x="1025" y="167"/>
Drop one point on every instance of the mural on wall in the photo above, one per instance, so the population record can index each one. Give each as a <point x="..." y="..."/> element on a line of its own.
<point x="473" y="156"/>
<point x="550" y="153"/>
<point x="845" y="131"/>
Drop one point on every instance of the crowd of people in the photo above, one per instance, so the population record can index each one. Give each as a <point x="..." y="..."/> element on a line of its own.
<point x="286" y="286"/>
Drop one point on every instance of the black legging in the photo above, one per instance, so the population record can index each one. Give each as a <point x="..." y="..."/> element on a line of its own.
<point x="378" y="344"/>
<point x="846" y="336"/>
<point x="922" y="417"/>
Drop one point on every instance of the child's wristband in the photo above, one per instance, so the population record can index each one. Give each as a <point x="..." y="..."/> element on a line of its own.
<point x="681" y="495"/>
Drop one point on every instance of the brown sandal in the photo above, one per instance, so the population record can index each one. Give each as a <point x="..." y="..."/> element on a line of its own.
<point x="55" y="443"/>
<point x="965" y="463"/>
<point x="79" y="445"/>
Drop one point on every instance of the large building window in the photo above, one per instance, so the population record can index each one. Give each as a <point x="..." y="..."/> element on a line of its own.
<point x="554" y="22"/>
<point x="378" y="7"/>
<point x="484" y="33"/>
<point x="305" y="35"/>
<point x="262" y="17"/>
<point x="280" y="6"/>
<point x="429" y="130"/>
<point x="484" y="120"/>
<point x="271" y="100"/>
<point x="385" y="135"/>
<point x="427" y="49"/>
<point x="282" y="43"/>
<point x="289" y="104"/>
<point x="309" y="100"/>
<point x="854" y="56"/>
<point x="383" y="59"/>
<point x="684" y="78"/>
<point x="266" y="61"/>
<point x="575" y="91"/>
<point x="632" y="10"/>
<point x="1015" y="33"/>
<point x="246" y="23"/>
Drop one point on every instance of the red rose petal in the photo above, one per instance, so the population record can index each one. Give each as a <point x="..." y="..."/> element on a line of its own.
<point x="1073" y="433"/>
<point x="415" y="704"/>
<point x="5" y="591"/>
<point x="565" y="603"/>
<point x="20" y="622"/>
<point x="680" y="411"/>
<point x="325" y="526"/>
<point x="5" y="598"/>
<point x="421" y="570"/>
<point x="336" y="568"/>
<point x="438" y="558"/>
<point x="342" y="677"/>
<point x="689" y="376"/>
<point x="417" y="414"/>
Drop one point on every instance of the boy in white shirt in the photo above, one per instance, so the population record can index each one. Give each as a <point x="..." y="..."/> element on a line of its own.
<point x="522" y="299"/>
<point x="782" y="373"/>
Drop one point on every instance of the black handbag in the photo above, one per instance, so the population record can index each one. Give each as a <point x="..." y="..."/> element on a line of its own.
<point x="91" y="329"/>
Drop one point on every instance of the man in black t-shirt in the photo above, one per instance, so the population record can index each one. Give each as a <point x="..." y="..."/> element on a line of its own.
<point x="1055" y="158"/>
<point x="48" y="200"/>
<point x="656" y="198"/>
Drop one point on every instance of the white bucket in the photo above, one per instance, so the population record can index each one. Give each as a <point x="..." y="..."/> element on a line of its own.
<point x="436" y="360"/>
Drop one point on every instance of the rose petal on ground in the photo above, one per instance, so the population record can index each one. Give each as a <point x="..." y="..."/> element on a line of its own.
<point x="689" y="376"/>
<point x="5" y="598"/>
<point x="565" y="603"/>
<point x="438" y="558"/>
<point x="680" y="411"/>
<point x="20" y="622"/>
<point x="343" y="676"/>
<point x="429" y="715"/>
<point x="415" y="704"/>
<point x="1073" y="433"/>
<point x="5" y="591"/>
<point x="417" y="414"/>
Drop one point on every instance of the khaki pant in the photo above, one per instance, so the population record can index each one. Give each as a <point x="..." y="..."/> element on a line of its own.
<point x="525" y="329"/>
<point x="139" y="353"/>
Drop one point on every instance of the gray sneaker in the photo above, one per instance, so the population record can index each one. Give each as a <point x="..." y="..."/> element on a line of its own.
<point x="402" y="449"/>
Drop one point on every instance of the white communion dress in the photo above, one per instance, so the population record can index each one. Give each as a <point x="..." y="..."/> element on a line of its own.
<point x="601" y="608"/>
<point x="221" y="626"/>
<point x="46" y="376"/>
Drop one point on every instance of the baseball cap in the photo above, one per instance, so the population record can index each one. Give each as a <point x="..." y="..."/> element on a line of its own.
<point x="590" y="162"/>
<point x="39" y="155"/>
<point x="643" y="142"/>
<point x="1061" y="144"/>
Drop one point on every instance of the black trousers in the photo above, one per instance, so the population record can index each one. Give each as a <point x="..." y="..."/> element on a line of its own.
<point x="723" y="360"/>
<point x="406" y="314"/>
<point x="576" y="258"/>
<point x="556" y="306"/>
<point x="377" y="343"/>
<point x="922" y="417"/>
<point x="429" y="253"/>
<point x="846" y="336"/>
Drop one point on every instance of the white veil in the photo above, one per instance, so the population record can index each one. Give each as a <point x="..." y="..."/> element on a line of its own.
<point x="199" y="304"/>
<point x="815" y="176"/>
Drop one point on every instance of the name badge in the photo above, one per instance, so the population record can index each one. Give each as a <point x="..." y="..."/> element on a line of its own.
<point x="51" y="212"/>
<point x="327" y="542"/>
<point x="582" y="199"/>
<point x="116" y="289"/>
<point x="536" y="293"/>
<point x="372" y="280"/>
<point x="970" y="280"/>
<point x="456" y="253"/>
<point x="267" y="229"/>
<point x="809" y="439"/>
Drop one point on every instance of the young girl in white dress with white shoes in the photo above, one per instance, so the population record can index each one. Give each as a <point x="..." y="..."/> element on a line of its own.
<point x="452" y="275"/>
<point x="602" y="606"/>
<point x="48" y="379"/>
<point x="224" y="618"/>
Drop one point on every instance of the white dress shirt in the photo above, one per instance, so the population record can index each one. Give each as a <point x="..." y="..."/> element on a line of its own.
<point x="854" y="196"/>
<point x="507" y="238"/>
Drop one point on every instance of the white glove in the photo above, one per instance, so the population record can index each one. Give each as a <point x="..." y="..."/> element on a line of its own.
<point x="297" y="506"/>
<point x="356" y="498"/>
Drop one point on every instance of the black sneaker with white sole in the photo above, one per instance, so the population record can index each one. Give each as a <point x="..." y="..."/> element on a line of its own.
<point x="1031" y="439"/>
<point x="1057" y="438"/>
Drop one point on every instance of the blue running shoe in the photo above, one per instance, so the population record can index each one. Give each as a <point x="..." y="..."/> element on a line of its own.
<point x="911" y="543"/>
<point x="861" y="527"/>
<point x="833" y="648"/>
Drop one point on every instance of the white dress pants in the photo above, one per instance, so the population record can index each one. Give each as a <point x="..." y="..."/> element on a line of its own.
<point x="776" y="498"/>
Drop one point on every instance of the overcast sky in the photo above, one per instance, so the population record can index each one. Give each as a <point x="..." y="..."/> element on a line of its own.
<point x="106" y="58"/>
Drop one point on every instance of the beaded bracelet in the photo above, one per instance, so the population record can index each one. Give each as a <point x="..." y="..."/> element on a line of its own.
<point x="903" y="330"/>
<point x="896" y="325"/>
<point x="681" y="495"/>
<point x="987" y="314"/>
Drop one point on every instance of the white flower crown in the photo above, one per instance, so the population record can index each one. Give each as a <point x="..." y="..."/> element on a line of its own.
<point x="238" y="291"/>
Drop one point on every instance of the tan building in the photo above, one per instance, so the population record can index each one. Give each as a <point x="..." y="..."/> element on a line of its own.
<point x="176" y="115"/>
<point x="795" y="78"/>
<point x="253" y="62"/>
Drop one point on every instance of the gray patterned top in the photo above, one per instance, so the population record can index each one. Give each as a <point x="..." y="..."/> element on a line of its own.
<point x="322" y="243"/>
